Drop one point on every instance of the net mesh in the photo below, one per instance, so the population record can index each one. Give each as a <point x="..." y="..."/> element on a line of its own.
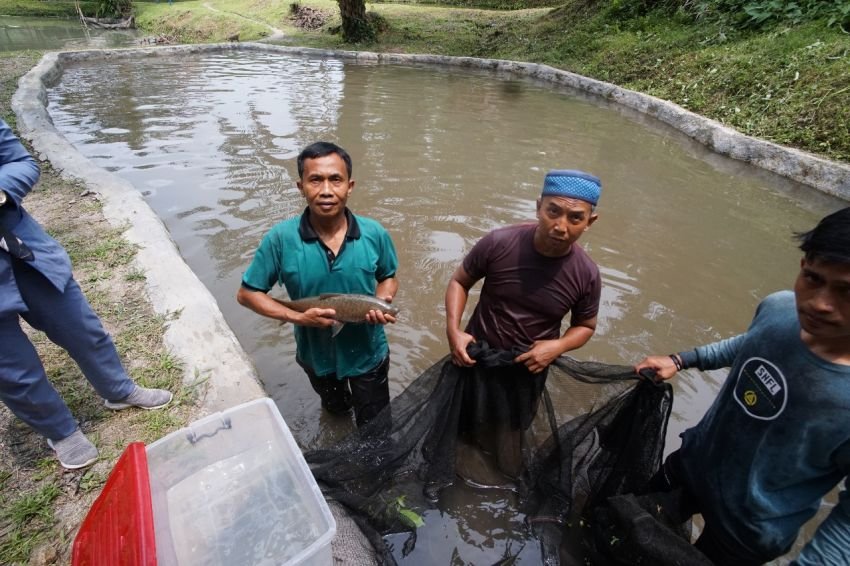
<point x="567" y="441"/>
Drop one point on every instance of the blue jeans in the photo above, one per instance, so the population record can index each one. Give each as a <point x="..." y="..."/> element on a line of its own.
<point x="68" y="321"/>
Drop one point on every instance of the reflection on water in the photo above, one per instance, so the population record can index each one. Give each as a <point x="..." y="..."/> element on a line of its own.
<point x="687" y="241"/>
<point x="18" y="34"/>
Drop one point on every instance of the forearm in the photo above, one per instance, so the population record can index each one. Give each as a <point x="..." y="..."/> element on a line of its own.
<point x="387" y="289"/>
<point x="831" y="543"/>
<point x="575" y="337"/>
<point x="713" y="356"/>
<point x="264" y="305"/>
<point x="456" y="297"/>
<point x="18" y="170"/>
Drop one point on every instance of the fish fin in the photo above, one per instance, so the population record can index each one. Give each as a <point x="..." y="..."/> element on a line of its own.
<point x="336" y="327"/>
<point x="323" y="296"/>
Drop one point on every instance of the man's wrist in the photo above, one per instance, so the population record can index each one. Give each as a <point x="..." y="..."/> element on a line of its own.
<point x="689" y="359"/>
<point x="677" y="361"/>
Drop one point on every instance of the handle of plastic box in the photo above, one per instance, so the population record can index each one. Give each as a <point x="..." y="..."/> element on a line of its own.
<point x="194" y="437"/>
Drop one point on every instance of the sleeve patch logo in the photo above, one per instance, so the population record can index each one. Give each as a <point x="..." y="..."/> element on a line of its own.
<point x="761" y="389"/>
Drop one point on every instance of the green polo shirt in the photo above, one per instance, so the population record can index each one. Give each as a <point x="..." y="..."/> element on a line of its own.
<point x="293" y="256"/>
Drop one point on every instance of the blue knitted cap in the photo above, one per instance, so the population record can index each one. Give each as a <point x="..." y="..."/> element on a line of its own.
<point x="572" y="184"/>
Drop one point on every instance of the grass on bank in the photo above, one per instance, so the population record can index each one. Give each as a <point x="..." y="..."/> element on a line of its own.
<point x="41" y="504"/>
<point x="192" y="22"/>
<point x="47" y="8"/>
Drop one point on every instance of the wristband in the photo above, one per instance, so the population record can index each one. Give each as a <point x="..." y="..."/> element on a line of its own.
<point x="676" y="361"/>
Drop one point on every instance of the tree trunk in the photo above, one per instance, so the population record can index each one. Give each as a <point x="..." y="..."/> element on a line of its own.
<point x="355" y="25"/>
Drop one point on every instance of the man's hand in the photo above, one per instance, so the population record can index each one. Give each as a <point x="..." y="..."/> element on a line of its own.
<point x="378" y="317"/>
<point x="540" y="355"/>
<point x="458" y="341"/>
<point x="321" y="318"/>
<point x="664" y="367"/>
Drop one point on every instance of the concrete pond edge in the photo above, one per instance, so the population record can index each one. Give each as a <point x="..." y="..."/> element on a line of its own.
<point x="197" y="332"/>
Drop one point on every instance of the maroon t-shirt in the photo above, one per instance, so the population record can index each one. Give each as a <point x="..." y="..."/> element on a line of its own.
<point x="526" y="295"/>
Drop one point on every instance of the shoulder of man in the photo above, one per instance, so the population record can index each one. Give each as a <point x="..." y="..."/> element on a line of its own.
<point x="281" y="235"/>
<point x="778" y="301"/>
<point x="510" y="233"/>
<point x="285" y="226"/>
<point x="581" y="257"/>
<point x="369" y="225"/>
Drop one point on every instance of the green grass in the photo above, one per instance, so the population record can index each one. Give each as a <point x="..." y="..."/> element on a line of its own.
<point x="13" y="64"/>
<point x="46" y="8"/>
<point x="25" y="520"/>
<point x="191" y="22"/>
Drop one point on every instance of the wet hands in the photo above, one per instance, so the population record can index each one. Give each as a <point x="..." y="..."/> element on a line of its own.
<point x="458" y="342"/>
<point x="663" y="366"/>
<point x="320" y="318"/>
<point x="540" y="355"/>
<point x="379" y="317"/>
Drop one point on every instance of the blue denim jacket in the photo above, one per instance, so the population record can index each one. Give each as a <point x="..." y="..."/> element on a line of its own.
<point x="18" y="174"/>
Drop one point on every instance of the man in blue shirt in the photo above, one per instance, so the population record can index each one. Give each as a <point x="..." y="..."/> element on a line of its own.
<point x="777" y="438"/>
<point x="36" y="284"/>
<point x="328" y="249"/>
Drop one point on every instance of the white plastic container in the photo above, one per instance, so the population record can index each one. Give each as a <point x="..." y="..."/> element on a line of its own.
<point x="233" y="489"/>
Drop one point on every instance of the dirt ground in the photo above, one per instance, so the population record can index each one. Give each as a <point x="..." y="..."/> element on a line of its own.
<point x="41" y="504"/>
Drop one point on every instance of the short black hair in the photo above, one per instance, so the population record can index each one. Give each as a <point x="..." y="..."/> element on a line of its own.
<point x="321" y="149"/>
<point x="830" y="240"/>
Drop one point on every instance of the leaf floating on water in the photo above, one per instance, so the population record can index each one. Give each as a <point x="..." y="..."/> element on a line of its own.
<point x="411" y="518"/>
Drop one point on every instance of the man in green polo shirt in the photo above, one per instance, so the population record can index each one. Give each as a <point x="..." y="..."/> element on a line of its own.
<point x="328" y="249"/>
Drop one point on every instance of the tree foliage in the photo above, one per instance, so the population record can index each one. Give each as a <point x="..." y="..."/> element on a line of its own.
<point x="114" y="8"/>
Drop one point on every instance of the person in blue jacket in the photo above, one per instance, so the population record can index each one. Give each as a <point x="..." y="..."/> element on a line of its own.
<point x="36" y="284"/>
<point x="777" y="438"/>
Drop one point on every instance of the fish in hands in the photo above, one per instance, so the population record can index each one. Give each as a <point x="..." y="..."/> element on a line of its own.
<point x="348" y="308"/>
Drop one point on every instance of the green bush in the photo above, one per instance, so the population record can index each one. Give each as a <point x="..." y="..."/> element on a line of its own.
<point x="836" y="12"/>
<point x="114" y="8"/>
<point x="739" y="13"/>
<point x="483" y="4"/>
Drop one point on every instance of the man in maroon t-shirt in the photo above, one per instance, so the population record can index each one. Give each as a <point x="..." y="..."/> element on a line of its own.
<point x="534" y="274"/>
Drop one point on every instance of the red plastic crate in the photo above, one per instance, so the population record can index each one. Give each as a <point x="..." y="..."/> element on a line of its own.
<point x="119" y="530"/>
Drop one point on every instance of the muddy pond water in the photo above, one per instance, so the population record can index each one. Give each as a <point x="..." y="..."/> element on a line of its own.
<point x="687" y="241"/>
<point x="19" y="33"/>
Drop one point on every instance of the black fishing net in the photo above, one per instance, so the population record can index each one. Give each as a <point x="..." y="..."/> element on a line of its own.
<point x="565" y="441"/>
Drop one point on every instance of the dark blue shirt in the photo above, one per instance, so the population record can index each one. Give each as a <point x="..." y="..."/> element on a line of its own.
<point x="776" y="439"/>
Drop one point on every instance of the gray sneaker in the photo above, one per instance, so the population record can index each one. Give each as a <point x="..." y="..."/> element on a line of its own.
<point x="143" y="398"/>
<point x="74" y="452"/>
